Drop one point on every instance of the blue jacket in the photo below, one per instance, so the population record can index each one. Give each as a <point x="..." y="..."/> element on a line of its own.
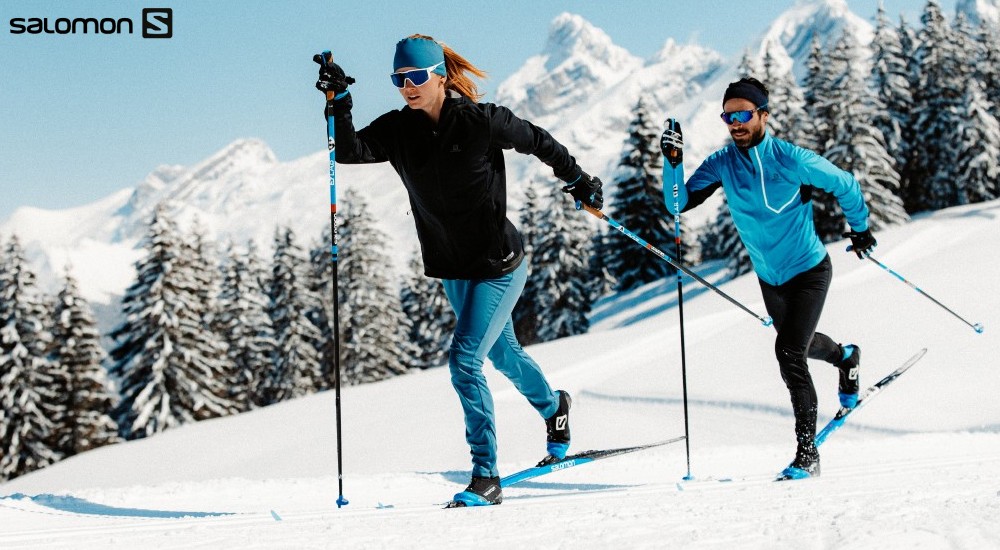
<point x="764" y="186"/>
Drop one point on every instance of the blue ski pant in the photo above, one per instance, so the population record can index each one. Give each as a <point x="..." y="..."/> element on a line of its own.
<point x="485" y="329"/>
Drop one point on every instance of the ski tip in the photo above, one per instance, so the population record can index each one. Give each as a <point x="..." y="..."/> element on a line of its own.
<point x="275" y="516"/>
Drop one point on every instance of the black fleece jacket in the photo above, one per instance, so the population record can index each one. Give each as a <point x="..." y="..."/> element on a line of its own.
<point x="455" y="177"/>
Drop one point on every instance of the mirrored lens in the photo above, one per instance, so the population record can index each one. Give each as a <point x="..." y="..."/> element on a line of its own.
<point x="737" y="116"/>
<point x="418" y="77"/>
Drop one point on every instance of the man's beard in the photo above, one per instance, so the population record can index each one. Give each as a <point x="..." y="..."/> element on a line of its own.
<point x="747" y="138"/>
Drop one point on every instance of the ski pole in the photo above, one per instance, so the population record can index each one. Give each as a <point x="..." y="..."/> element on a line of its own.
<point x="672" y="146"/>
<point x="327" y="58"/>
<point x="766" y="321"/>
<point x="978" y="327"/>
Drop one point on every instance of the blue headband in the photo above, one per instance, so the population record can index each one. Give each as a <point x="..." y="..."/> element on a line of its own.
<point x="419" y="53"/>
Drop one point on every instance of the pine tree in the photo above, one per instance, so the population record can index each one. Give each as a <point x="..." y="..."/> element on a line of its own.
<point x="910" y="179"/>
<point x="296" y="369"/>
<point x="169" y="364"/>
<point x="989" y="66"/>
<point x="890" y="81"/>
<point x="27" y="400"/>
<point x="90" y="399"/>
<point x="858" y="146"/>
<point x="431" y="318"/>
<point x="748" y="66"/>
<point x="788" y="119"/>
<point x="936" y="97"/>
<point x="814" y="90"/>
<point x="599" y="278"/>
<point x="638" y="203"/>
<point x="977" y="166"/>
<point x="202" y="266"/>
<point x="527" y="313"/>
<point x="558" y="285"/>
<point x="322" y="315"/>
<point x="373" y="327"/>
<point x="246" y="325"/>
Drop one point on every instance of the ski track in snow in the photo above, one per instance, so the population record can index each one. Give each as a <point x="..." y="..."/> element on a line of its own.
<point x="949" y="499"/>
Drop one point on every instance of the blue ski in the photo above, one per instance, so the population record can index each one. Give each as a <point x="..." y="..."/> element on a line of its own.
<point x="578" y="459"/>
<point x="841" y="417"/>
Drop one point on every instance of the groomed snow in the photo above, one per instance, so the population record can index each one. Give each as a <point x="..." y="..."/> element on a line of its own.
<point x="918" y="468"/>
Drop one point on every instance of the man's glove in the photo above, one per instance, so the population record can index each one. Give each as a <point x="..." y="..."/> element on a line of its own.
<point x="331" y="77"/>
<point x="862" y="242"/>
<point x="586" y="190"/>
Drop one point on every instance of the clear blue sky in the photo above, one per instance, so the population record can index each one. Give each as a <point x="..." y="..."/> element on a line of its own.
<point x="83" y="116"/>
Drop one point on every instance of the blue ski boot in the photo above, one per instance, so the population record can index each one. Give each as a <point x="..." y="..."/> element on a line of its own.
<point x="850" y="381"/>
<point x="482" y="491"/>
<point x="557" y="430"/>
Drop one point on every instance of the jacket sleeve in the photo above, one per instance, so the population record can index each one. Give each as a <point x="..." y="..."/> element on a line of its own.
<point x="819" y="172"/>
<point x="357" y="147"/>
<point x="698" y="187"/>
<point x="507" y="131"/>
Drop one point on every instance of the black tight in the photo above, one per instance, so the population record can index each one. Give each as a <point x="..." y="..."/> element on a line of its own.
<point x="795" y="307"/>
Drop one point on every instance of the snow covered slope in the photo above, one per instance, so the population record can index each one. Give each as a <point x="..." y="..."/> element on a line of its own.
<point x="918" y="468"/>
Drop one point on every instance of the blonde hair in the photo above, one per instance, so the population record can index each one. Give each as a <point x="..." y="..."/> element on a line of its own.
<point x="457" y="67"/>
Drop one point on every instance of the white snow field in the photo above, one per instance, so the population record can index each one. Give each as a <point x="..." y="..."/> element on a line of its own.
<point x="917" y="468"/>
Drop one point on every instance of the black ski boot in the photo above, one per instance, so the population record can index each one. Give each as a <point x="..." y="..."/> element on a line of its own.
<point x="850" y="380"/>
<point x="806" y="464"/>
<point x="557" y="430"/>
<point x="482" y="491"/>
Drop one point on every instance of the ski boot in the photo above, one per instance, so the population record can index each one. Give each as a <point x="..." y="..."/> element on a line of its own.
<point x="850" y="381"/>
<point x="482" y="491"/>
<point x="557" y="430"/>
<point x="805" y="465"/>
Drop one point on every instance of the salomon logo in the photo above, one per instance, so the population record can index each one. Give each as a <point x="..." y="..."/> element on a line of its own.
<point x="157" y="22"/>
<point x="853" y="374"/>
<point x="77" y="25"/>
<point x="563" y="465"/>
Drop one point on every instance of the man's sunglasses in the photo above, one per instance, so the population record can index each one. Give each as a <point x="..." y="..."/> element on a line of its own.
<point x="740" y="116"/>
<point x="418" y="77"/>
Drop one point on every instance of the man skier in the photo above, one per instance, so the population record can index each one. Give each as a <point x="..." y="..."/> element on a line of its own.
<point x="768" y="183"/>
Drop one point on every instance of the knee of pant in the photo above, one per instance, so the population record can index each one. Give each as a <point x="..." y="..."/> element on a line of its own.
<point x="461" y="356"/>
<point x="792" y="363"/>
<point x="789" y="354"/>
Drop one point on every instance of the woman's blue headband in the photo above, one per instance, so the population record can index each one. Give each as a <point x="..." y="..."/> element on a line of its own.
<point x="419" y="53"/>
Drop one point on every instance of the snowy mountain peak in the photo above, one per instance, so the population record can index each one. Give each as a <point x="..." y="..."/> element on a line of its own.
<point x="571" y="35"/>
<point x="578" y="60"/>
<point x="790" y="36"/>
<point x="240" y="155"/>
<point x="206" y="183"/>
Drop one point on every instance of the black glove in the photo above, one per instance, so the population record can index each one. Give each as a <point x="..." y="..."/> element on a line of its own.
<point x="586" y="190"/>
<point x="331" y="77"/>
<point x="862" y="242"/>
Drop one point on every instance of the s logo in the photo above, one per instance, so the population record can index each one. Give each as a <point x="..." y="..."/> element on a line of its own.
<point x="157" y="22"/>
